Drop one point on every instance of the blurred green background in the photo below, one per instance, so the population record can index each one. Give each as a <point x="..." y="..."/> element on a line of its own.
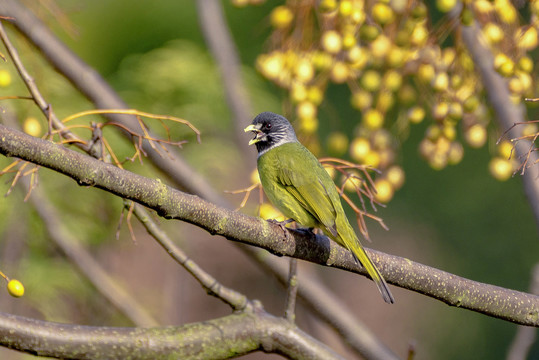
<point x="459" y="219"/>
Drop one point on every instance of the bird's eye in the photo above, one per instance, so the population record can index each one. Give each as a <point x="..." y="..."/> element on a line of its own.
<point x="267" y="126"/>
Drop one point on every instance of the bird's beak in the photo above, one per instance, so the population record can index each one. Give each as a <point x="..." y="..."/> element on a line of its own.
<point x="258" y="133"/>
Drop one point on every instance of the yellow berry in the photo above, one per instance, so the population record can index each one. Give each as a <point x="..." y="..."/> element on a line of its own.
<point x="426" y="72"/>
<point x="505" y="149"/>
<point x="373" y="119"/>
<point x="384" y="190"/>
<point x="267" y="211"/>
<point x="505" y="11"/>
<point x="361" y="99"/>
<point x="526" y="38"/>
<point x="380" y="46"/>
<point x="525" y="64"/>
<point x="455" y="111"/>
<point x="255" y="178"/>
<point x="281" y="17"/>
<point x="331" y="41"/>
<point x="348" y="41"/>
<point x="500" y="169"/>
<point x="322" y="60"/>
<point x="308" y="124"/>
<point x="359" y="148"/>
<point x="471" y="104"/>
<point x="315" y="95"/>
<point x="440" y="82"/>
<point x="5" y="78"/>
<point x="392" y="80"/>
<point x="306" y="109"/>
<point x="328" y="5"/>
<point x="270" y="65"/>
<point x="440" y="110"/>
<point x="372" y="159"/>
<point x="32" y="126"/>
<point x="396" y="57"/>
<point x="416" y="114"/>
<point x="357" y="57"/>
<point x="504" y="65"/>
<point x="445" y="5"/>
<point x="15" y="288"/>
<point x="395" y="175"/>
<point x="476" y="135"/>
<point x="382" y="13"/>
<point x="339" y="72"/>
<point x="493" y="33"/>
<point x="337" y="143"/>
<point x="352" y="183"/>
<point x="419" y="35"/>
<point x="371" y="80"/>
<point x="345" y="8"/>
<point x="304" y="70"/>
<point x="385" y="101"/>
<point x="455" y="153"/>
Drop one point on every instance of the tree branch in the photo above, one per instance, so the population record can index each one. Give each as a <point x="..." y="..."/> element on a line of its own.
<point x="488" y="299"/>
<point x="221" y="338"/>
<point x="220" y="43"/>
<point x="505" y="110"/>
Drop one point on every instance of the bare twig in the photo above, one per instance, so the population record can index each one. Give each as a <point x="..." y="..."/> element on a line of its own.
<point x="290" y="306"/>
<point x="231" y="297"/>
<point x="39" y="100"/>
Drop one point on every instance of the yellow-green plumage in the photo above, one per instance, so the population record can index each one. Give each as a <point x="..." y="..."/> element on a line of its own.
<point x="297" y="184"/>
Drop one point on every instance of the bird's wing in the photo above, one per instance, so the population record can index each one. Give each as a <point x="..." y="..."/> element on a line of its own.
<point x="309" y="190"/>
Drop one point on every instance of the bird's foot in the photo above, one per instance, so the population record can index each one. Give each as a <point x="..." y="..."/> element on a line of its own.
<point x="282" y="225"/>
<point x="309" y="231"/>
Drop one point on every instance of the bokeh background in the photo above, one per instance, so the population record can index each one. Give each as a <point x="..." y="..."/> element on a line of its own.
<point x="458" y="219"/>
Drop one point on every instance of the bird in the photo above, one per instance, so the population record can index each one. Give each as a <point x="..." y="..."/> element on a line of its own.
<point x="296" y="183"/>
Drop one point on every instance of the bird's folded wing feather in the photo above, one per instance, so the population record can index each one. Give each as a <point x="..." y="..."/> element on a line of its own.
<point x="312" y="194"/>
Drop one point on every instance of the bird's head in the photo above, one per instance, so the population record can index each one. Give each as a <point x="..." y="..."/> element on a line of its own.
<point x="271" y="130"/>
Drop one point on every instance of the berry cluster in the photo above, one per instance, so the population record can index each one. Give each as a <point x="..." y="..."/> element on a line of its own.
<point x="401" y="69"/>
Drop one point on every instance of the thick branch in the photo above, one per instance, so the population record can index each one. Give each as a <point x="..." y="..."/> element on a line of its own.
<point x="220" y="338"/>
<point x="491" y="300"/>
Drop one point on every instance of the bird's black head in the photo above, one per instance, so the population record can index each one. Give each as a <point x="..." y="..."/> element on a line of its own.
<point x="271" y="130"/>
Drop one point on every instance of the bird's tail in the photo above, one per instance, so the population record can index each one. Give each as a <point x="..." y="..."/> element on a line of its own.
<point x="361" y="256"/>
<point x="351" y="242"/>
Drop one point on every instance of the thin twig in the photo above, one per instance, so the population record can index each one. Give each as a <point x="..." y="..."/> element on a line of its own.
<point x="290" y="306"/>
<point x="34" y="91"/>
<point x="83" y="261"/>
<point x="231" y="297"/>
